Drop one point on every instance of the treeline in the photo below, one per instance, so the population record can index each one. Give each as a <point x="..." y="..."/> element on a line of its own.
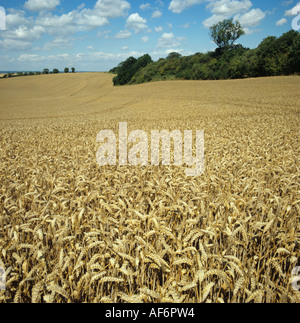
<point x="45" y="71"/>
<point x="273" y="57"/>
<point x="129" y="68"/>
<point x="18" y="74"/>
<point x="56" y="71"/>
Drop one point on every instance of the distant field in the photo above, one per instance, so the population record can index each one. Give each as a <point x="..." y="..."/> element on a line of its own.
<point x="71" y="231"/>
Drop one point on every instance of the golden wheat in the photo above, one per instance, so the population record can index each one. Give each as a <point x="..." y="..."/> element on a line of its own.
<point x="71" y="231"/>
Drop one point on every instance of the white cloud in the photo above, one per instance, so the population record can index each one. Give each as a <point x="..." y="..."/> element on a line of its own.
<point x="30" y="57"/>
<point x="123" y="34"/>
<point x="136" y="23"/>
<point x="26" y="34"/>
<point x="173" y="50"/>
<point x="229" y="7"/>
<point x="112" y="8"/>
<point x="214" y="19"/>
<point x="185" y="26"/>
<point x="21" y="32"/>
<point x="251" y="18"/>
<point x="177" y="6"/>
<point x="168" y="40"/>
<point x="59" y="43"/>
<point x="72" y="22"/>
<point x="239" y="10"/>
<point x="57" y="21"/>
<point x="145" y="6"/>
<point x="157" y="14"/>
<point x="145" y="39"/>
<point x="292" y="12"/>
<point x="83" y="19"/>
<point x="15" y="45"/>
<point x="90" y="19"/>
<point x="158" y="29"/>
<point x="16" y="18"/>
<point x="41" y="5"/>
<point x="281" y="22"/>
<point x="54" y="59"/>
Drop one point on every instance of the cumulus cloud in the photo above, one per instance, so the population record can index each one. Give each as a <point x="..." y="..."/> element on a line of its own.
<point x="16" y="18"/>
<point x="26" y="34"/>
<point x="41" y="5"/>
<point x="23" y="30"/>
<point x="145" y="6"/>
<point x="229" y="7"/>
<point x="239" y="10"/>
<point x="251" y="18"/>
<point x="123" y="34"/>
<point x="157" y="14"/>
<point x="74" y="21"/>
<point x="214" y="19"/>
<point x="112" y="8"/>
<point x="83" y="19"/>
<point x="292" y="12"/>
<point x="168" y="40"/>
<point x="145" y="39"/>
<point x="136" y="23"/>
<point x="59" y="43"/>
<point x="177" y="6"/>
<point x="15" y="45"/>
<point x="281" y="22"/>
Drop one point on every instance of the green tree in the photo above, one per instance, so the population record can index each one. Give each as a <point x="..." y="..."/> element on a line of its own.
<point x="73" y="69"/>
<point x="46" y="71"/>
<point x="225" y="33"/>
<point x="294" y="57"/>
<point x="174" y="55"/>
<point x="125" y="71"/>
<point x="267" y="57"/>
<point x="66" y="70"/>
<point x="55" y="71"/>
<point x="143" y="61"/>
<point x="129" y="68"/>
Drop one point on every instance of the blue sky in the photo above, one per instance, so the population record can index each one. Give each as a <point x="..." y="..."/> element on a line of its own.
<point x="96" y="35"/>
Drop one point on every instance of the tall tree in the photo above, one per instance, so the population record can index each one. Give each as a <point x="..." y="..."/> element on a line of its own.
<point x="226" y="32"/>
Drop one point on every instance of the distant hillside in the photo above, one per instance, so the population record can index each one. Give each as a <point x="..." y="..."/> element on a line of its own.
<point x="273" y="57"/>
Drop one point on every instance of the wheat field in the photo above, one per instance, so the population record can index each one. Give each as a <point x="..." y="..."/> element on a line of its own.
<point x="71" y="231"/>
